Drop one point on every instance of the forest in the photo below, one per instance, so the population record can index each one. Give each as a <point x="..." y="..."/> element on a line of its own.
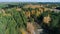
<point x="24" y="18"/>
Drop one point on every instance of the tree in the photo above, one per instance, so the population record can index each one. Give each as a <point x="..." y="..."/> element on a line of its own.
<point x="30" y="9"/>
<point x="16" y="22"/>
<point x="53" y="25"/>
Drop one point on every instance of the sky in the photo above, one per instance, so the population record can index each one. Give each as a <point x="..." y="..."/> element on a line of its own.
<point x="29" y="0"/>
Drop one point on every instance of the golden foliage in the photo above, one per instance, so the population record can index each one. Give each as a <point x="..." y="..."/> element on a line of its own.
<point x="23" y="31"/>
<point x="33" y="12"/>
<point x="38" y="13"/>
<point x="18" y="9"/>
<point x="32" y="6"/>
<point x="27" y="13"/>
<point x="30" y="28"/>
<point x="47" y="19"/>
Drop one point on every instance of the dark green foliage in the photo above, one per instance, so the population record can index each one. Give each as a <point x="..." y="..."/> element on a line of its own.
<point x="54" y="25"/>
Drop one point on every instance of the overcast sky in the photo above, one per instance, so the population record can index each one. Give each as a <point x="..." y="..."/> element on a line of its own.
<point x="29" y="0"/>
